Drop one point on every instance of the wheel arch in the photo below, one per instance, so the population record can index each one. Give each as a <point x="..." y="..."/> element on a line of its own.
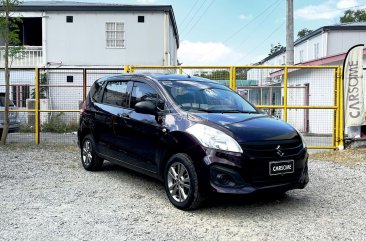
<point x="180" y="142"/>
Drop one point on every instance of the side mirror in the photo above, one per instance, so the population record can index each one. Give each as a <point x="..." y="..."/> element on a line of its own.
<point x="146" y="107"/>
<point x="149" y="107"/>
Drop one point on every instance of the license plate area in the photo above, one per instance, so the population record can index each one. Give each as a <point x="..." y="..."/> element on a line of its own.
<point x="281" y="167"/>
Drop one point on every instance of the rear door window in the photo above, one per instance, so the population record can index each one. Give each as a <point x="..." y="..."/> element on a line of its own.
<point x="115" y="93"/>
<point x="141" y="92"/>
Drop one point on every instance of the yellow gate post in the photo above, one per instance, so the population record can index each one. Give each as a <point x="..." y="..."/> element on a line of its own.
<point x="341" y="110"/>
<point x="232" y="78"/>
<point x="335" y="133"/>
<point x="126" y="68"/>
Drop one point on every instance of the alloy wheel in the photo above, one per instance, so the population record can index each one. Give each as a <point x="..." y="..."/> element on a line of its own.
<point x="87" y="152"/>
<point x="179" y="183"/>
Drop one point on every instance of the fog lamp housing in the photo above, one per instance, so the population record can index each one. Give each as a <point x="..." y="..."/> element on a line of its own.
<point x="225" y="177"/>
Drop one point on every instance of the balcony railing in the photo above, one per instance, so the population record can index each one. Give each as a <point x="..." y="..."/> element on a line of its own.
<point x="29" y="56"/>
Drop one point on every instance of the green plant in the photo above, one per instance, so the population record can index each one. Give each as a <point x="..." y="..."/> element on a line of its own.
<point x="42" y="88"/>
<point x="56" y="124"/>
<point x="25" y="128"/>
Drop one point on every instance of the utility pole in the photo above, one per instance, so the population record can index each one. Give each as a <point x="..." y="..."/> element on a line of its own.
<point x="290" y="33"/>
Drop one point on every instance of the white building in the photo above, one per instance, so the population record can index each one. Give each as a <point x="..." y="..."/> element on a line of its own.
<point x="61" y="34"/>
<point x="58" y="33"/>
<point x="324" y="46"/>
<point x="327" y="45"/>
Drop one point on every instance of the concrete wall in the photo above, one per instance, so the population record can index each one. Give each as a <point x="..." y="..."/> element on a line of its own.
<point x="341" y="41"/>
<point x="308" y="48"/>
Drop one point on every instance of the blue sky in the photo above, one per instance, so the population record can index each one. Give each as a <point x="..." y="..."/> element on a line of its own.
<point x="238" y="32"/>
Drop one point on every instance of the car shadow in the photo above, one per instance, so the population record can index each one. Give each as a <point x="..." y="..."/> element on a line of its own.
<point x="233" y="204"/>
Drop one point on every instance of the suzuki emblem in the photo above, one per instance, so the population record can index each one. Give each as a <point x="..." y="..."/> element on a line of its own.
<point x="279" y="152"/>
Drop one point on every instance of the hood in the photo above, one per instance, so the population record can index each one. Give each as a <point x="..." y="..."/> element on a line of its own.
<point x="252" y="127"/>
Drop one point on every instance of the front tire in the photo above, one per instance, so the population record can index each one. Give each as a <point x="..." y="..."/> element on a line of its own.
<point x="181" y="182"/>
<point x="89" y="158"/>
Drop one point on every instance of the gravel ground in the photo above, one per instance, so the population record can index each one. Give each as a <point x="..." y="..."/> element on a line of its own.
<point x="46" y="195"/>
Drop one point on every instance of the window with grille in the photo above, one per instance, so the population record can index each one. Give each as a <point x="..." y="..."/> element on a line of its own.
<point x="301" y="56"/>
<point x="316" y="51"/>
<point x="115" y="35"/>
<point x="20" y="95"/>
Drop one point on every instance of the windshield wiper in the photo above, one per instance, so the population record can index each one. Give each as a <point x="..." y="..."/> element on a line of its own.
<point x="237" y="111"/>
<point x="202" y="110"/>
<point x="192" y="109"/>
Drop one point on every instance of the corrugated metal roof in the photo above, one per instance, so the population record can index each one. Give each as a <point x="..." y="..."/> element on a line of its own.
<point x="345" y="26"/>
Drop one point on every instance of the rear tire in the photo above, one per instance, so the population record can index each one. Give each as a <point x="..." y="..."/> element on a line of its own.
<point x="181" y="182"/>
<point x="89" y="158"/>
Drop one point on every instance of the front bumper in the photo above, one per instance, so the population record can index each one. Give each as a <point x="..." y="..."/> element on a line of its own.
<point x="235" y="174"/>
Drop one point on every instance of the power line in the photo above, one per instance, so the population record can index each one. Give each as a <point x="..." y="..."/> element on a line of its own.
<point x="277" y="3"/>
<point x="194" y="15"/>
<point x="199" y="19"/>
<point x="189" y="13"/>
<point x="240" y="45"/>
<point x="362" y="5"/>
<point x="269" y="36"/>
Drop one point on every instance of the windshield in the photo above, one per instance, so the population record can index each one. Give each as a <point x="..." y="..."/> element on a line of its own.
<point x="209" y="97"/>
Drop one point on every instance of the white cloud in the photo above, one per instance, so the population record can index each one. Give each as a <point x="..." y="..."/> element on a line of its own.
<point x="316" y="12"/>
<point x="327" y="10"/>
<point x="245" y="17"/>
<point x="342" y="4"/>
<point x="207" y="53"/>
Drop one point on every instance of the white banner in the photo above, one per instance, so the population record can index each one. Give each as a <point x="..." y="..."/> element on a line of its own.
<point x="353" y="87"/>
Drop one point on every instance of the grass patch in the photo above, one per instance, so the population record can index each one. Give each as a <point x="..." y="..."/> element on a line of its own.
<point x="347" y="157"/>
<point x="56" y="124"/>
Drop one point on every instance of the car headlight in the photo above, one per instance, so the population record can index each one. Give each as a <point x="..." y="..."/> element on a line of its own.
<point x="212" y="138"/>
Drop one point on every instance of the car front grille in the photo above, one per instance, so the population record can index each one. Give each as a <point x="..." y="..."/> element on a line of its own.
<point x="273" y="150"/>
<point x="258" y="155"/>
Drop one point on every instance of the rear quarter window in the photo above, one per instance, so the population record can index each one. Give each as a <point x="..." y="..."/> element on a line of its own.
<point x="96" y="91"/>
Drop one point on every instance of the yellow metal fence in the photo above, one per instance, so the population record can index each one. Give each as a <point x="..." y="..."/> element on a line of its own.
<point x="308" y="97"/>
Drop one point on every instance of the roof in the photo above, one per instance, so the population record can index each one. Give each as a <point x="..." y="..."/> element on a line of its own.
<point x="163" y="77"/>
<point x="347" y="26"/>
<point x="281" y="51"/>
<point x="176" y="77"/>
<point x="328" y="60"/>
<point x="58" y="6"/>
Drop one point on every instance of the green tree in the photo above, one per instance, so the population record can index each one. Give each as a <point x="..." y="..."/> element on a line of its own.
<point x="303" y="32"/>
<point x="215" y="75"/>
<point x="353" y="16"/>
<point x="9" y="36"/>
<point x="276" y="48"/>
<point x="241" y="73"/>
